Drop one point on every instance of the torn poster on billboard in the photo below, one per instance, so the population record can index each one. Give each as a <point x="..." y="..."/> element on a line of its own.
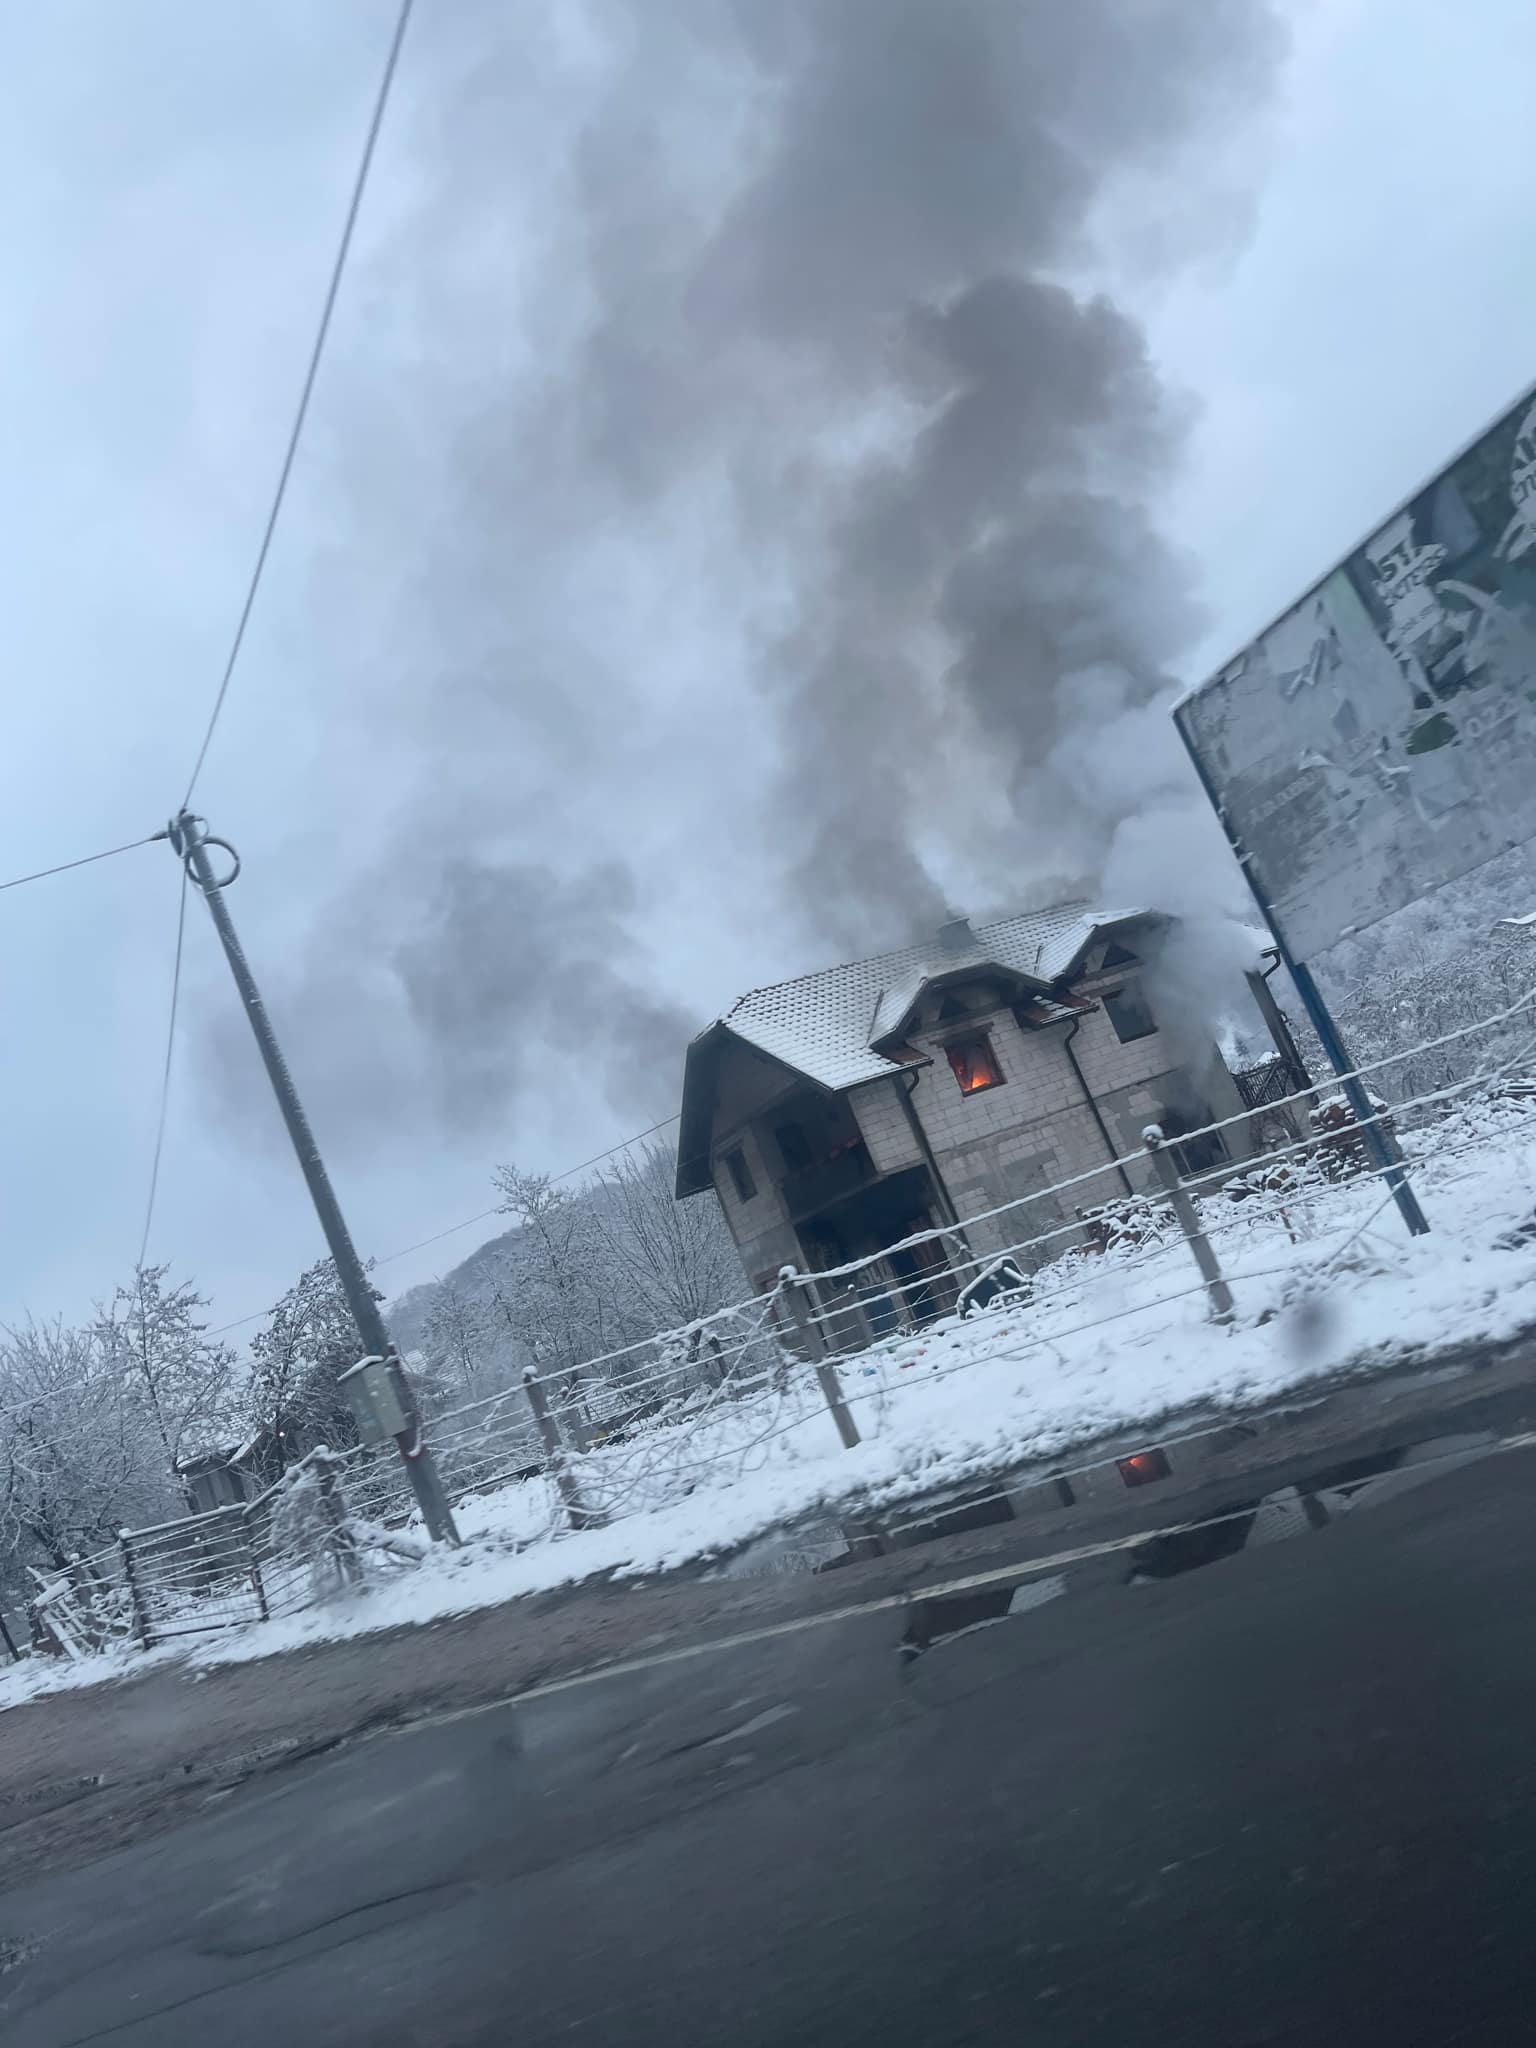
<point x="1380" y="738"/>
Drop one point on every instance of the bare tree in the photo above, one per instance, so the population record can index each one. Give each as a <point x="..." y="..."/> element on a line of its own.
<point x="676" y="1258"/>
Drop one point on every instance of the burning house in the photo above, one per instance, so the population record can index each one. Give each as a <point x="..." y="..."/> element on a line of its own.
<point x="838" y="1113"/>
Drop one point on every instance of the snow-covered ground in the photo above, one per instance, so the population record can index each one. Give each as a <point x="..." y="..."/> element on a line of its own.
<point x="1326" y="1283"/>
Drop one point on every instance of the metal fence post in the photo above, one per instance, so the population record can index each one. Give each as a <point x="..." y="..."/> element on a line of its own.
<point x="579" y="1515"/>
<point x="92" y="1627"/>
<point x="720" y="1369"/>
<point x="135" y="1593"/>
<point x="812" y="1336"/>
<point x="1222" y="1306"/>
<point x="258" y="1584"/>
<point x="333" y="1507"/>
<point x="572" y="1422"/>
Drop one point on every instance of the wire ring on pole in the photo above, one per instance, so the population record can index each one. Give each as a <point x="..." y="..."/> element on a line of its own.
<point x="223" y="882"/>
<point x="197" y="834"/>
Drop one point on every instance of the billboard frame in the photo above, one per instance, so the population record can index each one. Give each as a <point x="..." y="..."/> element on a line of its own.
<point x="1385" y="1155"/>
<point x="1383" y="1151"/>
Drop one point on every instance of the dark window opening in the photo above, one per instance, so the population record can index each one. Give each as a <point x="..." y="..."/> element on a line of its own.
<point x="741" y="1174"/>
<point x="794" y="1147"/>
<point x="1200" y="1154"/>
<point x="1127" y="1009"/>
<point x="951" y="1007"/>
<point x="973" y="1064"/>
<point x="1117" y="956"/>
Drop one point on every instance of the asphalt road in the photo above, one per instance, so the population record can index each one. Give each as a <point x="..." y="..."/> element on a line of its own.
<point x="1287" y="1796"/>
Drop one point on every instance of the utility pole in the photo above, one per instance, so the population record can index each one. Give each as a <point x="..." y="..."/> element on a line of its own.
<point x="191" y="841"/>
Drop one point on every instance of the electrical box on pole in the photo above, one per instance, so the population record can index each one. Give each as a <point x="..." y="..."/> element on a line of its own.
<point x="375" y="1401"/>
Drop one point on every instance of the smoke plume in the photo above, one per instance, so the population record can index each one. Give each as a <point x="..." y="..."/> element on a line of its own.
<point x="778" y="453"/>
<point x="949" y="454"/>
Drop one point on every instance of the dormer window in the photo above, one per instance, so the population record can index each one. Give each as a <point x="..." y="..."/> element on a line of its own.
<point x="1129" y="1012"/>
<point x="973" y="1063"/>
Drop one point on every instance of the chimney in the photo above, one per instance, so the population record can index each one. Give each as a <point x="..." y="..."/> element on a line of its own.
<point x="956" y="936"/>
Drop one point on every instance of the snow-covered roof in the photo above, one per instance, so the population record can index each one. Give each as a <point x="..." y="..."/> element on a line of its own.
<point x="842" y="1025"/>
<point x="827" y="1025"/>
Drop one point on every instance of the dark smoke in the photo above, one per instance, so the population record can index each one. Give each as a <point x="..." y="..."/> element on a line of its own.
<point x="772" y="309"/>
<point x="438" y="1003"/>
<point x="513" y="966"/>
<point x="982" y="574"/>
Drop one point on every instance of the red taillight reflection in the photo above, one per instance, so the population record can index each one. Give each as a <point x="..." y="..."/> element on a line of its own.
<point x="1142" y="1467"/>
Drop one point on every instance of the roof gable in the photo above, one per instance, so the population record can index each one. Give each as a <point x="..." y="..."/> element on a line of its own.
<point x="828" y="1025"/>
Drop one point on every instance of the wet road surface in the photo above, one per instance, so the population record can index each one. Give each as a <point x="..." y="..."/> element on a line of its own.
<point x="1270" y="1780"/>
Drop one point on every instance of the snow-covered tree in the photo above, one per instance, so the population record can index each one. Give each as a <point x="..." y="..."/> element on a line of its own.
<point x="80" y="1456"/>
<point x="152" y="1335"/>
<point x="1437" y="966"/>
<point x="308" y="1339"/>
<point x="553" y="1286"/>
<point x="457" y="1344"/>
<point x="594" y="1270"/>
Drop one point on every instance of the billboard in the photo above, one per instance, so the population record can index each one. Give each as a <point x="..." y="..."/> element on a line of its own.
<point x="1380" y="738"/>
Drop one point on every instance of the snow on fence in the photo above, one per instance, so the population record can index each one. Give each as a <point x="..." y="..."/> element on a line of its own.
<point x="235" y="1565"/>
<point x="865" y="1344"/>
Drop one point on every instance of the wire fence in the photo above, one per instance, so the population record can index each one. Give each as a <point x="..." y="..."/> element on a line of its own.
<point x="588" y="1441"/>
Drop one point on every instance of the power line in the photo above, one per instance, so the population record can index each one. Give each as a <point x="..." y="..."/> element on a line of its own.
<point x="481" y="1216"/>
<point x="437" y="1236"/>
<point x="598" y="1157"/>
<point x="555" y="1180"/>
<point x="165" y="1076"/>
<point x="85" y="860"/>
<point x="98" y="1380"/>
<point x="337" y="268"/>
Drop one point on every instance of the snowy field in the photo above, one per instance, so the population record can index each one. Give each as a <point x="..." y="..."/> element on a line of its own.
<point x="1326" y="1284"/>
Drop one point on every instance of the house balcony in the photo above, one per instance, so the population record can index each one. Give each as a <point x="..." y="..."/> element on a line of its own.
<point x="830" y="1180"/>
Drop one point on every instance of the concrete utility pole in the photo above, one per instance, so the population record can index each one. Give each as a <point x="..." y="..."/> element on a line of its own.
<point x="190" y="839"/>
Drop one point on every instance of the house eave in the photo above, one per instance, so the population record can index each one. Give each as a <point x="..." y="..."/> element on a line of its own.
<point x="695" y="1128"/>
<point x="1017" y="986"/>
<point x="701" y="1074"/>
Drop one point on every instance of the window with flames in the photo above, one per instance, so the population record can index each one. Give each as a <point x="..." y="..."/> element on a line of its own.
<point x="973" y="1064"/>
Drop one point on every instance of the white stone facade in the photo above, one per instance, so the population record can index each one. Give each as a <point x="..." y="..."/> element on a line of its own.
<point x="835" y="1172"/>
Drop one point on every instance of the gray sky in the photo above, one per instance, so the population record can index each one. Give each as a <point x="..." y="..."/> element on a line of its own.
<point x="441" y="797"/>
